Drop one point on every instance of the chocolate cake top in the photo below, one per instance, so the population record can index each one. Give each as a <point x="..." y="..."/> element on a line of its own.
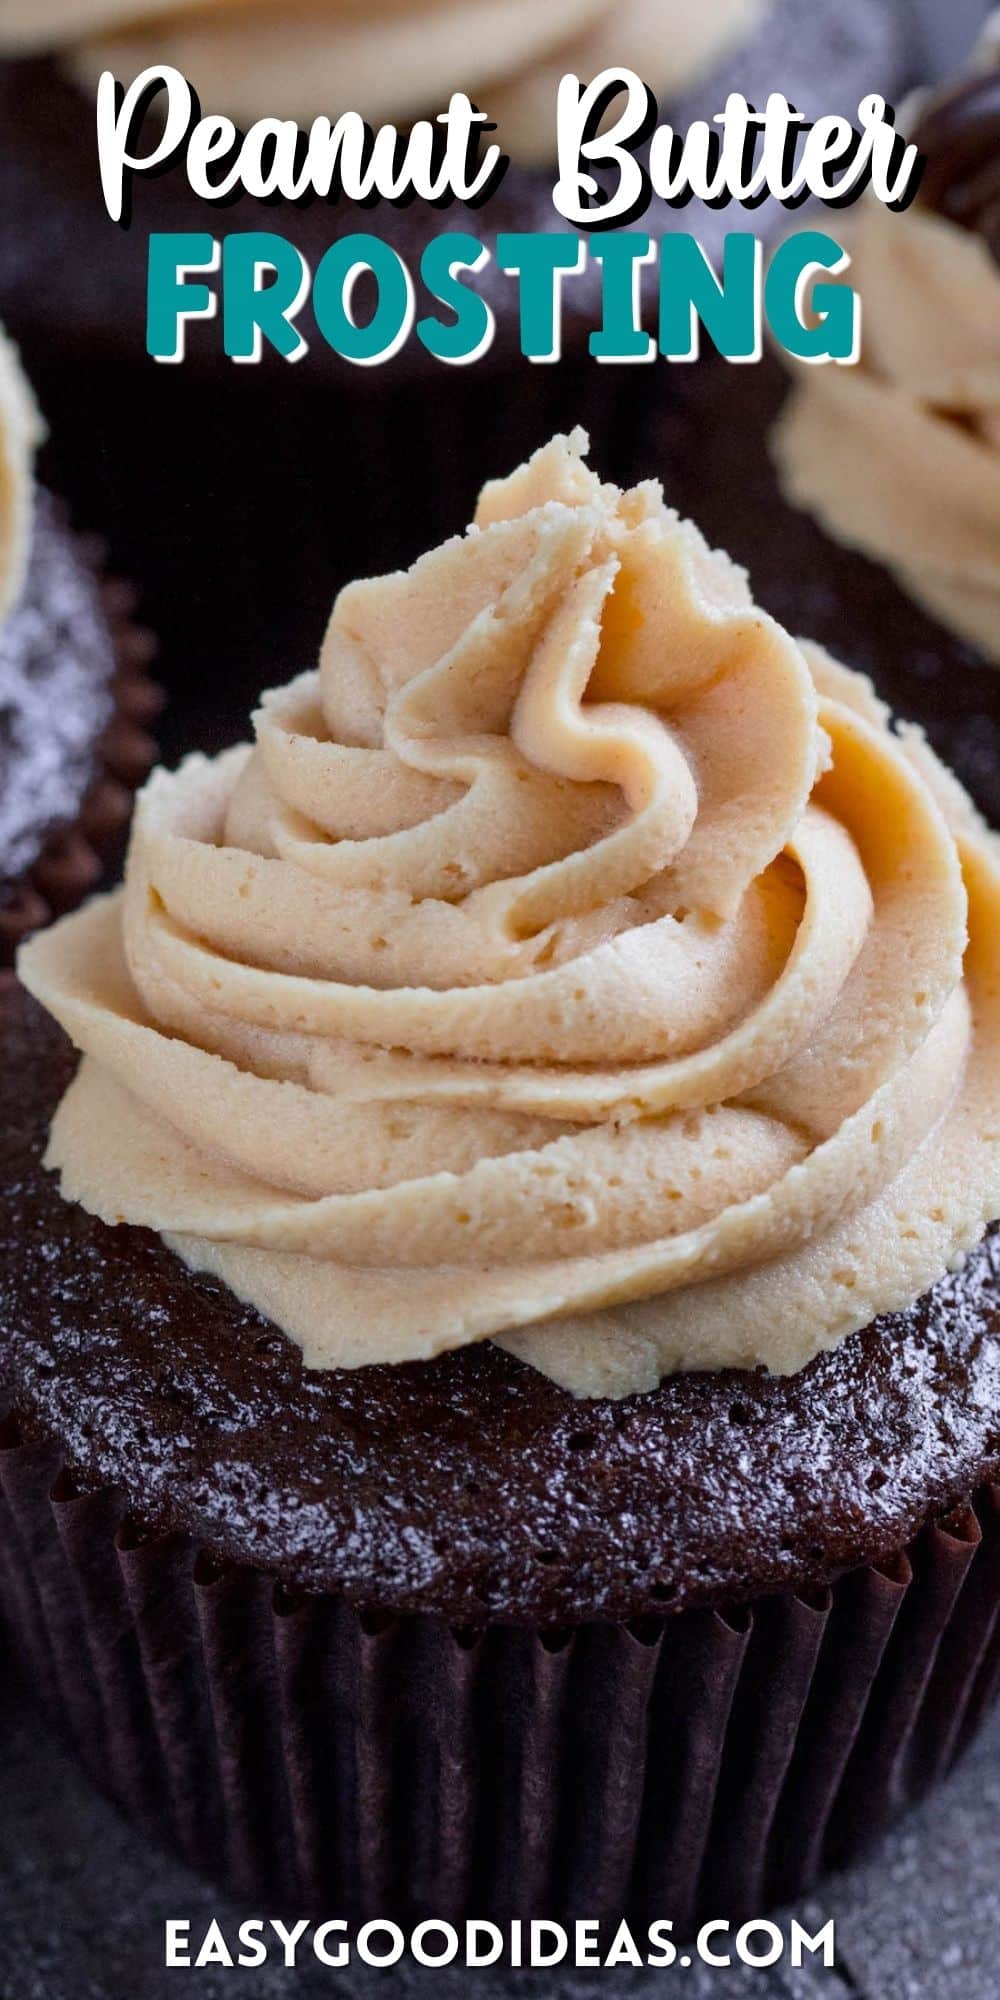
<point x="470" y="1486"/>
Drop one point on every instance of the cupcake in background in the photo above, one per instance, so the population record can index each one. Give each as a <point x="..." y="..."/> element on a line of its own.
<point x="74" y="696"/>
<point x="391" y="61"/>
<point x="330" y="490"/>
<point x="899" y="456"/>
<point x="671" y="44"/>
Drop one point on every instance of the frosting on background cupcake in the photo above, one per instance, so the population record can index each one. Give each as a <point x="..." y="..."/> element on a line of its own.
<point x="900" y="456"/>
<point x="573" y="943"/>
<point x="21" y="431"/>
<point x="391" y="60"/>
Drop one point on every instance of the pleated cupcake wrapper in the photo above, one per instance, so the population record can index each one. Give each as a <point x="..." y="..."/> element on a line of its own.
<point x="328" y="1760"/>
<point x="72" y="857"/>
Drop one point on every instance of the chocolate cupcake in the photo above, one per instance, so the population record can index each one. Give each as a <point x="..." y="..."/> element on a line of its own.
<point x="900" y="456"/>
<point x="510" y="1419"/>
<point x="74" y="695"/>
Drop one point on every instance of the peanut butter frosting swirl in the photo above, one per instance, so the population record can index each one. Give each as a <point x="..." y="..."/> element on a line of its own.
<point x="900" y="455"/>
<point x="574" y="959"/>
<point x="387" y="59"/>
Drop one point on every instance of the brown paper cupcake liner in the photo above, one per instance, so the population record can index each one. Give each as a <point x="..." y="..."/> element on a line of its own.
<point x="73" y="856"/>
<point x="328" y="1759"/>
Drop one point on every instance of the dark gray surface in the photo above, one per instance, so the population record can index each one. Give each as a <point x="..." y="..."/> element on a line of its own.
<point x="83" y="1900"/>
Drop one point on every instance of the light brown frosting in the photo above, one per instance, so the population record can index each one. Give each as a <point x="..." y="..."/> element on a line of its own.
<point x="900" y="456"/>
<point x="574" y="960"/>
<point x="388" y="59"/>
<point x="21" y="430"/>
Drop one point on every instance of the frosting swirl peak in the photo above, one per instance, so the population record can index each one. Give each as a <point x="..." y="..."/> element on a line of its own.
<point x="572" y="943"/>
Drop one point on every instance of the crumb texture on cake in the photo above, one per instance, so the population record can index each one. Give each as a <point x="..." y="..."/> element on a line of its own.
<point x="469" y="1486"/>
